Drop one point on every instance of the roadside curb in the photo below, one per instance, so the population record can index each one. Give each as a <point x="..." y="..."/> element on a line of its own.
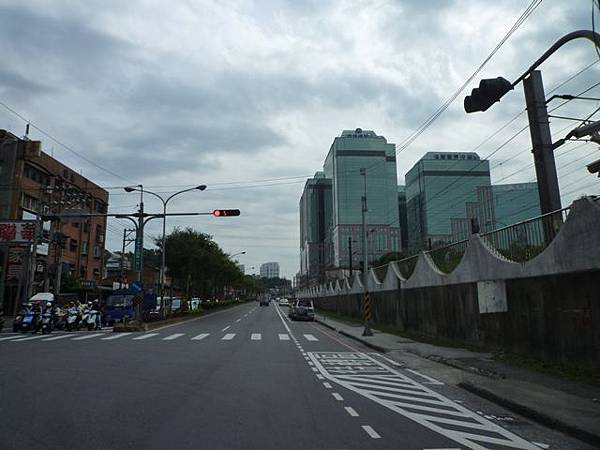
<point x="538" y="416"/>
<point x="325" y="324"/>
<point x="356" y="338"/>
<point x="169" y="322"/>
<point x="364" y="342"/>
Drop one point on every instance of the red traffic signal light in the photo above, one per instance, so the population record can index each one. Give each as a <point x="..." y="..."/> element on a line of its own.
<point x="489" y="92"/>
<point x="226" y="212"/>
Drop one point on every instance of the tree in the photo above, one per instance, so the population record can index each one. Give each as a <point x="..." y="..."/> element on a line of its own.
<point x="197" y="262"/>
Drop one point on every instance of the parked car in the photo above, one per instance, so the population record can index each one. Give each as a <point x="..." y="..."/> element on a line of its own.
<point x="302" y="310"/>
<point x="264" y="301"/>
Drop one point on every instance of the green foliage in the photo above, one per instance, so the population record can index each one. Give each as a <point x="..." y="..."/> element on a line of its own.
<point x="197" y="262"/>
<point x="69" y="283"/>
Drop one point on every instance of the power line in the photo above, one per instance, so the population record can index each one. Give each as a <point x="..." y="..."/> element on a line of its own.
<point x="62" y="144"/>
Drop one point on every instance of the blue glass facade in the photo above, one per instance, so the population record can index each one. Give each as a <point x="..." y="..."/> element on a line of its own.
<point x="442" y="196"/>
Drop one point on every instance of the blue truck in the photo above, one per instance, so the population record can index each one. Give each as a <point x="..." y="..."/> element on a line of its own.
<point x="120" y="305"/>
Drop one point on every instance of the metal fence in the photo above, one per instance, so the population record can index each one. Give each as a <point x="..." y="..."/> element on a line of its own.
<point x="525" y="240"/>
<point x="446" y="258"/>
<point x="407" y="265"/>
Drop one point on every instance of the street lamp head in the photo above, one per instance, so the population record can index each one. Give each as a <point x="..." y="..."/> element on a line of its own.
<point x="129" y="189"/>
<point x="201" y="187"/>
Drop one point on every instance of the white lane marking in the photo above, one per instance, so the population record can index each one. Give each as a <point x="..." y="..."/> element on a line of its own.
<point x="56" y="338"/>
<point x="371" y="432"/>
<point x="256" y="337"/>
<point x="327" y="385"/>
<point x="337" y="396"/>
<point x="200" y="336"/>
<point x="7" y="338"/>
<point x="351" y="411"/>
<point x="442" y="448"/>
<point x="115" y="336"/>
<point x="29" y="338"/>
<point x="314" y="369"/>
<point x="284" y="337"/>
<point x="320" y="377"/>
<point x="245" y="315"/>
<point x="539" y="444"/>
<point x="310" y="363"/>
<point x="226" y="328"/>
<point x="366" y="376"/>
<point x="238" y="320"/>
<point x="391" y="361"/>
<point x="144" y="336"/>
<point x="310" y="337"/>
<point x="173" y="336"/>
<point x="87" y="336"/>
<point x="428" y="378"/>
<point x="228" y="337"/>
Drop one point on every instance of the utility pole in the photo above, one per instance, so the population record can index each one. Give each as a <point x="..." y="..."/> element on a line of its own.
<point x="366" y="300"/>
<point x="350" y="253"/>
<point x="542" y="149"/>
<point x="126" y="241"/>
<point x="140" y="248"/>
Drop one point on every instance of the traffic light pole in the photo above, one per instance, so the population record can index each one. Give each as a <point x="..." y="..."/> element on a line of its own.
<point x="542" y="148"/>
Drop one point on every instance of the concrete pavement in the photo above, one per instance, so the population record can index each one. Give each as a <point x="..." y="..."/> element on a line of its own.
<point x="243" y="378"/>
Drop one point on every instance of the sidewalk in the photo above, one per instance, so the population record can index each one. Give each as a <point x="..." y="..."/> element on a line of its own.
<point x="563" y="405"/>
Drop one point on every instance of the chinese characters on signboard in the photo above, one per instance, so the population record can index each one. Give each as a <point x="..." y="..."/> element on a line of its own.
<point x="17" y="232"/>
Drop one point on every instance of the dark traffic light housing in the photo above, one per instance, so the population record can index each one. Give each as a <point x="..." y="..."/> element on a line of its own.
<point x="490" y="91"/>
<point x="226" y="212"/>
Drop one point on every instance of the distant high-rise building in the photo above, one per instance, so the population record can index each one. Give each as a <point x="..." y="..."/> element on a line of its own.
<point x="242" y="268"/>
<point x="315" y="223"/>
<point x="506" y="204"/>
<point x="269" y="270"/>
<point x="349" y="153"/>
<point x="442" y="196"/>
<point x="402" y="217"/>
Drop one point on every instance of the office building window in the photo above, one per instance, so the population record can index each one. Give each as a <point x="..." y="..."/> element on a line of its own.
<point x="73" y="244"/>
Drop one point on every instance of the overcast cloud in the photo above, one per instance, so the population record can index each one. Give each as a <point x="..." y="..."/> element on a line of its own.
<point x="174" y="94"/>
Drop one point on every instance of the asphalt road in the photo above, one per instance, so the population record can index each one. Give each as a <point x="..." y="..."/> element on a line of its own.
<point x="242" y="378"/>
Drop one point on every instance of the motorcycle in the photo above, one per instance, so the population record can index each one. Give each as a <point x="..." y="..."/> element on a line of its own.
<point x="71" y="322"/>
<point x="91" y="319"/>
<point x="28" y="322"/>
<point x="60" y="320"/>
<point x="46" y="323"/>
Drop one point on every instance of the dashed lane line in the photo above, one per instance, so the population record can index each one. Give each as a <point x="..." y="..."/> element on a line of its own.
<point x="173" y="337"/>
<point x="87" y="336"/>
<point x="328" y="386"/>
<point x="371" y="432"/>
<point x="337" y="396"/>
<point x="255" y="337"/>
<point x="351" y="411"/>
<point x="284" y="337"/>
<point x="56" y="338"/>
<point x="115" y="336"/>
<point x="30" y="338"/>
<point x="200" y="336"/>
<point x="228" y="337"/>
<point x="238" y="320"/>
<point x="144" y="336"/>
<point x="226" y="328"/>
<point x="310" y="337"/>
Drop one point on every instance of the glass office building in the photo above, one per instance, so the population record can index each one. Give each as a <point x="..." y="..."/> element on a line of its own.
<point x="442" y="196"/>
<point x="349" y="153"/>
<point x="315" y="224"/>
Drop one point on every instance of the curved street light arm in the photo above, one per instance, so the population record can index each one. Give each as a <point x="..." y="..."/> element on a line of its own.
<point x="177" y="193"/>
<point x="592" y="36"/>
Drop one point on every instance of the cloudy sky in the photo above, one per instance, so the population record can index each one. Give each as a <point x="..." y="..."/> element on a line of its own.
<point x="247" y="96"/>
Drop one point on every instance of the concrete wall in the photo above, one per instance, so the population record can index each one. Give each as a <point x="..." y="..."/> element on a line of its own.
<point x="548" y="307"/>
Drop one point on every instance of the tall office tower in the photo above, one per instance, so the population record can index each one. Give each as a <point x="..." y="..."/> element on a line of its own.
<point x="315" y="222"/>
<point x="269" y="270"/>
<point x="442" y="196"/>
<point x="506" y="204"/>
<point x="349" y="153"/>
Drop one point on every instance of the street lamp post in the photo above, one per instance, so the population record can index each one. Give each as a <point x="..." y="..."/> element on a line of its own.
<point x="163" y="252"/>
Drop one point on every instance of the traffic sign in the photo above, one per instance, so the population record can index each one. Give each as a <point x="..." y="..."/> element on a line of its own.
<point x="137" y="258"/>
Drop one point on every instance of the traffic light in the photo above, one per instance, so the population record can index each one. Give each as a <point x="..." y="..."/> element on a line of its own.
<point x="490" y="91"/>
<point x="226" y="212"/>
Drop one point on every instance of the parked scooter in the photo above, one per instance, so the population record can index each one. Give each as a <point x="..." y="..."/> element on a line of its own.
<point x="28" y="322"/>
<point x="59" y="319"/>
<point x="45" y="325"/>
<point x="72" y="319"/>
